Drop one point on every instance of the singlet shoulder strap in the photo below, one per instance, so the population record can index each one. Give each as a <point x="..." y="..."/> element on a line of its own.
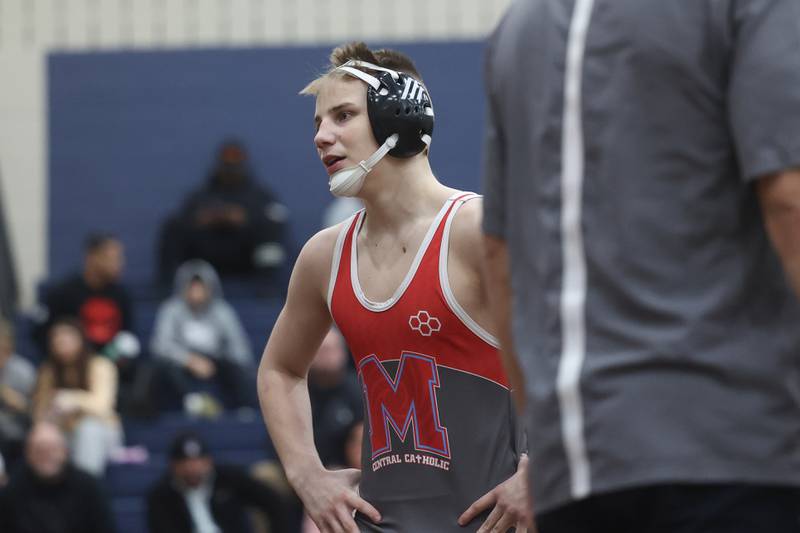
<point x="451" y="205"/>
<point x="336" y="260"/>
<point x="444" y="278"/>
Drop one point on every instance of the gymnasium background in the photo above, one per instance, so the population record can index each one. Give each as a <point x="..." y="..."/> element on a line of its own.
<point x="118" y="59"/>
<point x="111" y="111"/>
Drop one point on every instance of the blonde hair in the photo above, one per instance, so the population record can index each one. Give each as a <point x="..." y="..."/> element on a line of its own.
<point x="358" y="50"/>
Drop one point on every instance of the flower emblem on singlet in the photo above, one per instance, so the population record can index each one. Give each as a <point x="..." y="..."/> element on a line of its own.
<point x="424" y="323"/>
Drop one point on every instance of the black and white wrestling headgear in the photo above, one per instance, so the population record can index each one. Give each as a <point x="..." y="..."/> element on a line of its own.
<point x="400" y="114"/>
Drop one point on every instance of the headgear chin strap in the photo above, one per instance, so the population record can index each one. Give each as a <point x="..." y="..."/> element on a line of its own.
<point x="348" y="181"/>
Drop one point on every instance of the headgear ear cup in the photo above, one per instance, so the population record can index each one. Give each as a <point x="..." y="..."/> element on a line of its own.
<point x="400" y="114"/>
<point x="396" y="103"/>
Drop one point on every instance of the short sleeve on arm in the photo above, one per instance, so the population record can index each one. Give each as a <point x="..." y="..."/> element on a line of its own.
<point x="764" y="89"/>
<point x="494" y="168"/>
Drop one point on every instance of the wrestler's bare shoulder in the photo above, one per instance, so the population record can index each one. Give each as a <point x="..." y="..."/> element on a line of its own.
<point x="466" y="235"/>
<point x="314" y="262"/>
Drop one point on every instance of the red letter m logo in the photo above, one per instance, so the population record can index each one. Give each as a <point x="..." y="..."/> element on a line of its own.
<point x="408" y="399"/>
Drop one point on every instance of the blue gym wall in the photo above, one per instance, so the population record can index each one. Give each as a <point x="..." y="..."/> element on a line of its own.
<point x="131" y="133"/>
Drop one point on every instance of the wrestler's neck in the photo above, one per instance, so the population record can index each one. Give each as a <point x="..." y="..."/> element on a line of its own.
<point x="398" y="190"/>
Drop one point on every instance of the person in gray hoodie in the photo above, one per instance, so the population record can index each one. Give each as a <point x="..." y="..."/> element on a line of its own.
<point x="198" y="339"/>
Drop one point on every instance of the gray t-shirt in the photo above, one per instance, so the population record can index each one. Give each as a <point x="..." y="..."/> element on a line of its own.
<point x="658" y="335"/>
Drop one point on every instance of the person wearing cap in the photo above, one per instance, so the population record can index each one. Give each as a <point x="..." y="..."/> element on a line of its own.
<point x="402" y="280"/>
<point x="196" y="495"/>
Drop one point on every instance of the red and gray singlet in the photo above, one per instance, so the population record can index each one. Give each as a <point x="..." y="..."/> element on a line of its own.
<point x="439" y="430"/>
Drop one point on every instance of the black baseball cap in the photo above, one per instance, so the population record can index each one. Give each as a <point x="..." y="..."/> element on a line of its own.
<point x="188" y="446"/>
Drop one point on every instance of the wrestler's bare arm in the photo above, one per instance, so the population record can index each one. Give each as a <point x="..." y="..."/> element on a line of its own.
<point x="329" y="497"/>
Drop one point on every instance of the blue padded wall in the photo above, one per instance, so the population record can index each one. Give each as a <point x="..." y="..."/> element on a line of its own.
<point x="131" y="133"/>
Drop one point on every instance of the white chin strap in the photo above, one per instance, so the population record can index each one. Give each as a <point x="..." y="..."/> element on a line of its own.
<point x="348" y="181"/>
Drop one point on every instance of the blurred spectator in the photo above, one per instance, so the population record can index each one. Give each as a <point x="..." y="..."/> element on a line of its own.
<point x="336" y="398"/>
<point x="198" y="496"/>
<point x="48" y="495"/>
<point x="232" y="221"/>
<point x="76" y="390"/>
<point x="198" y="338"/>
<point x="17" y="377"/>
<point x="94" y="295"/>
<point x="103" y="306"/>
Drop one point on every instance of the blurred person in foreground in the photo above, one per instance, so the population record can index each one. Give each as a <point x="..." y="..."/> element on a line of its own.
<point x="76" y="389"/>
<point x="198" y="495"/>
<point x="642" y="221"/>
<point x="198" y="338"/>
<point x="403" y="282"/>
<point x="49" y="495"/>
<point x="232" y="221"/>
<point x="17" y="379"/>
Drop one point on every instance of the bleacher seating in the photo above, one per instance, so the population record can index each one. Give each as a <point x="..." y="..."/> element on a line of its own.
<point x="135" y="179"/>
<point x="238" y="437"/>
<point x="130" y="514"/>
<point x="234" y="438"/>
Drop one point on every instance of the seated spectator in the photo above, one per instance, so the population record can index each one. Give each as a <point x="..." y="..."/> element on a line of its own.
<point x="198" y="496"/>
<point x="94" y="295"/>
<point x="48" y="495"/>
<point x="198" y="338"/>
<point x="17" y="377"/>
<point x="336" y="398"/>
<point x="76" y="390"/>
<point x="232" y="221"/>
<point x="102" y="304"/>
